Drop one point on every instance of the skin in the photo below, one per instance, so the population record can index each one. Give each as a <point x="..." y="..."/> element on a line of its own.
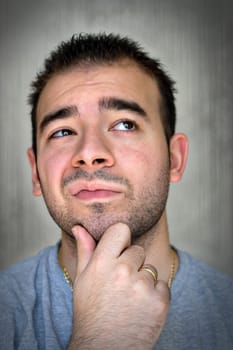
<point x="104" y="173"/>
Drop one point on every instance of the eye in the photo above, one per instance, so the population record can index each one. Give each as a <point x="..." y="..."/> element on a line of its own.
<point x="125" y="125"/>
<point x="61" y="133"/>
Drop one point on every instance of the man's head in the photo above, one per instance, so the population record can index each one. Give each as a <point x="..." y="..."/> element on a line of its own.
<point x="105" y="148"/>
<point x="89" y="50"/>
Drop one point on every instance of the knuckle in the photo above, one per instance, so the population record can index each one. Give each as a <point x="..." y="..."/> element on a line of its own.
<point x="122" y="271"/>
<point x="116" y="235"/>
<point x="140" y="286"/>
<point x="117" y="230"/>
<point x="98" y="263"/>
<point x="162" y="289"/>
<point x="162" y="296"/>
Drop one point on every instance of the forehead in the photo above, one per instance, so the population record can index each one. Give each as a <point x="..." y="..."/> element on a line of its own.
<point x="86" y="85"/>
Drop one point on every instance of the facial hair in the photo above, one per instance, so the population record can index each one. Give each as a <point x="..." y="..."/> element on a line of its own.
<point x="141" y="211"/>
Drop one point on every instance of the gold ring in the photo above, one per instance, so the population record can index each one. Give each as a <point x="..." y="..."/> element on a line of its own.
<point x="152" y="270"/>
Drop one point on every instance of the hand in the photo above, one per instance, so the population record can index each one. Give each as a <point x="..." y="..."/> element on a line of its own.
<point x="115" y="304"/>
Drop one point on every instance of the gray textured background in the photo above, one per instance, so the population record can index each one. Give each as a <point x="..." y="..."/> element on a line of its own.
<point x="194" y="40"/>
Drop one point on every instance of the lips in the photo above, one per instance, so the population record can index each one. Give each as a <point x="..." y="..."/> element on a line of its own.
<point x="97" y="194"/>
<point x="93" y="190"/>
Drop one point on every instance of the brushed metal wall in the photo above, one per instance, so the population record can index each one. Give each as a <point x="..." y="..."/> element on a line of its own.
<point x="194" y="40"/>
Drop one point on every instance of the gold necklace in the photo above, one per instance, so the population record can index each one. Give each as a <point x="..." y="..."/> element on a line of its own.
<point x="172" y="268"/>
<point x="70" y="283"/>
<point x="65" y="271"/>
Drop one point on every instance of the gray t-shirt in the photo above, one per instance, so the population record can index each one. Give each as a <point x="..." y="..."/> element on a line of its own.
<point x="36" y="307"/>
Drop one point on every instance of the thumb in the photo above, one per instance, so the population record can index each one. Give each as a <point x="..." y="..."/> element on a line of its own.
<point x="85" y="244"/>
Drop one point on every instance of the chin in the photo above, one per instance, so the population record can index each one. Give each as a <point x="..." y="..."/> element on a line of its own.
<point x="97" y="225"/>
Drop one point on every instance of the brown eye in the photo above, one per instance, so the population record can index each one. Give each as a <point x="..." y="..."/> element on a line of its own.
<point x="125" y="125"/>
<point x="61" y="133"/>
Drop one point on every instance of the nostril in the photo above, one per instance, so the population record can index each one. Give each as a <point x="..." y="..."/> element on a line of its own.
<point x="95" y="161"/>
<point x="99" y="161"/>
<point x="91" y="162"/>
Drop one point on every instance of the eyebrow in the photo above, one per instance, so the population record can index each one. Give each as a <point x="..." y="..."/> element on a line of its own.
<point x="108" y="103"/>
<point x="118" y="104"/>
<point x="62" y="113"/>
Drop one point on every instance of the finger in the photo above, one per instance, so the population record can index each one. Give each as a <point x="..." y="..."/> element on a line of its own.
<point x="134" y="256"/>
<point x="149" y="273"/>
<point x="114" y="241"/>
<point x="85" y="247"/>
<point x="162" y="291"/>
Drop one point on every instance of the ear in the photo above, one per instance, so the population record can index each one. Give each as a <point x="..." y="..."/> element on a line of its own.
<point x="178" y="156"/>
<point x="35" y="179"/>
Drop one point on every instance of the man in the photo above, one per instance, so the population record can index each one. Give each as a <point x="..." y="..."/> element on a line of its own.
<point x="103" y="154"/>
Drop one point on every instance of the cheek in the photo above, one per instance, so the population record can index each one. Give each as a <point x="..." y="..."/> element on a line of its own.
<point x="143" y="164"/>
<point x="135" y="160"/>
<point x="52" y="166"/>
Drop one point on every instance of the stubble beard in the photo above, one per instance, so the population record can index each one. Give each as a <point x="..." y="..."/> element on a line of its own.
<point x="141" y="213"/>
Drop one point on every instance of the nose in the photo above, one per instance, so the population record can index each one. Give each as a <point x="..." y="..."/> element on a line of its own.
<point x="93" y="152"/>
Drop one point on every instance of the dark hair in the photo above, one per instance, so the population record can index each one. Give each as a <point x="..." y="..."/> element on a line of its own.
<point x="94" y="49"/>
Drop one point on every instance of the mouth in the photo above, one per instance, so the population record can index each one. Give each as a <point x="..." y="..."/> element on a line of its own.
<point x="100" y="194"/>
<point x="90" y="191"/>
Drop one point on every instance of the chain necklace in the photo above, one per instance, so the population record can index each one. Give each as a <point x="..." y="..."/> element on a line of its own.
<point x="172" y="268"/>
<point x="65" y="271"/>
<point x="70" y="283"/>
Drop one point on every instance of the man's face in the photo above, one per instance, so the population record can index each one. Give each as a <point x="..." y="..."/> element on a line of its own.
<point x="102" y="154"/>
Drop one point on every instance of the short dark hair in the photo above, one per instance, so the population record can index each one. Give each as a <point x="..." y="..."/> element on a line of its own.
<point x="95" y="49"/>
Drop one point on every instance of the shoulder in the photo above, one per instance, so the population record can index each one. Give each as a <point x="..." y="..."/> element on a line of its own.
<point x="20" y="278"/>
<point x="20" y="287"/>
<point x="200" y="272"/>
<point x="210" y="287"/>
<point x="29" y="263"/>
<point x="201" y="312"/>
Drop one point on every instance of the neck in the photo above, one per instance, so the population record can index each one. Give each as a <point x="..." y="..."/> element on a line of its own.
<point x="158" y="250"/>
<point x="155" y="242"/>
